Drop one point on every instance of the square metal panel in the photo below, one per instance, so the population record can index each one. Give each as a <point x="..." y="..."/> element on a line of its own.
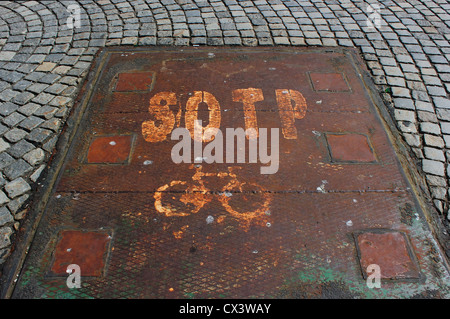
<point x="390" y="250"/>
<point x="350" y="148"/>
<point x="110" y="149"/>
<point x="329" y="82"/>
<point x="86" y="249"/>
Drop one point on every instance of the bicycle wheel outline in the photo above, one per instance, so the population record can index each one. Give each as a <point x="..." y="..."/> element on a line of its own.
<point x="245" y="215"/>
<point x="190" y="191"/>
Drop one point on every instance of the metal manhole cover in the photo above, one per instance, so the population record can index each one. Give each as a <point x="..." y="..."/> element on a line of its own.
<point x="262" y="198"/>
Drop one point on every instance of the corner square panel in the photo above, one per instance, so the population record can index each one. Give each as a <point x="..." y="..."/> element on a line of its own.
<point x="350" y="148"/>
<point x="110" y="150"/>
<point x="329" y="82"/>
<point x="86" y="249"/>
<point x="135" y="81"/>
<point x="388" y="249"/>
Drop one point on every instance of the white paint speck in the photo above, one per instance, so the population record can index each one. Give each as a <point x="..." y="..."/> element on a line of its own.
<point x="321" y="188"/>
<point x="349" y="223"/>
<point x="227" y="194"/>
<point x="209" y="219"/>
<point x="148" y="162"/>
<point x="112" y="143"/>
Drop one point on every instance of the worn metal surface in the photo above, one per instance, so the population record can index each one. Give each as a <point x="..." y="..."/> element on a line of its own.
<point x="212" y="230"/>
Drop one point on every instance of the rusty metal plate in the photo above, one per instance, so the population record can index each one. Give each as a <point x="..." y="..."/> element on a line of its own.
<point x="243" y="226"/>
<point x="86" y="249"/>
<point x="389" y="250"/>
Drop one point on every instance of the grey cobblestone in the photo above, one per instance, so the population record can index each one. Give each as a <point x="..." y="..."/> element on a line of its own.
<point x="42" y="64"/>
<point x="16" y="169"/>
<point x="15" y="204"/>
<point x="20" y="148"/>
<point x="5" y="233"/>
<point x="5" y="160"/>
<point x="17" y="187"/>
<point x="15" y="135"/>
<point x="433" y="167"/>
<point x="5" y="215"/>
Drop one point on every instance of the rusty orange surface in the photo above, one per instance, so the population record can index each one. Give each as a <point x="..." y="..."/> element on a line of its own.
<point x="210" y="228"/>
<point x="134" y="81"/>
<point x="109" y="149"/>
<point x="350" y="148"/>
<point x="87" y="249"/>
<point x="390" y="251"/>
<point x="329" y="82"/>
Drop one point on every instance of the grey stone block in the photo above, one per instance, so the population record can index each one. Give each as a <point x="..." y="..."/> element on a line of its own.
<point x="3" y="145"/>
<point x="13" y="119"/>
<point x="31" y="123"/>
<point x="445" y="127"/>
<point x="434" y="154"/>
<point x="38" y="135"/>
<point x="432" y="128"/>
<point x="43" y="98"/>
<point x="35" y="156"/>
<point x="15" y="135"/>
<point x="404" y="103"/>
<point x="405" y="115"/>
<point x="443" y="114"/>
<point x="16" y="203"/>
<point x="37" y="173"/>
<point x="17" y="187"/>
<point x="400" y="92"/>
<point x="442" y="102"/>
<point x="37" y="87"/>
<point x="5" y="233"/>
<point x="433" y="167"/>
<point x="437" y="180"/>
<point x="28" y="108"/>
<point x="46" y="111"/>
<point x="435" y="141"/>
<point x="5" y="160"/>
<point x="413" y="140"/>
<point x="8" y="108"/>
<point x="20" y="148"/>
<point x="23" y="98"/>
<point x="5" y="216"/>
<point x="17" y="168"/>
<point x="3" y="198"/>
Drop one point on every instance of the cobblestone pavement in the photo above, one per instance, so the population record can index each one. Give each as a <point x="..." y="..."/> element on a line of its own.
<point x="43" y="61"/>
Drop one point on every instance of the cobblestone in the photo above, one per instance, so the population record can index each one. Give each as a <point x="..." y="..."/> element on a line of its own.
<point x="5" y="215"/>
<point x="5" y="233"/>
<point x="17" y="187"/>
<point x="433" y="167"/>
<point x="43" y="62"/>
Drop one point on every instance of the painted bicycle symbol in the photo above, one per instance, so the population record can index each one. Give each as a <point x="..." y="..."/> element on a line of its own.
<point x="196" y="195"/>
